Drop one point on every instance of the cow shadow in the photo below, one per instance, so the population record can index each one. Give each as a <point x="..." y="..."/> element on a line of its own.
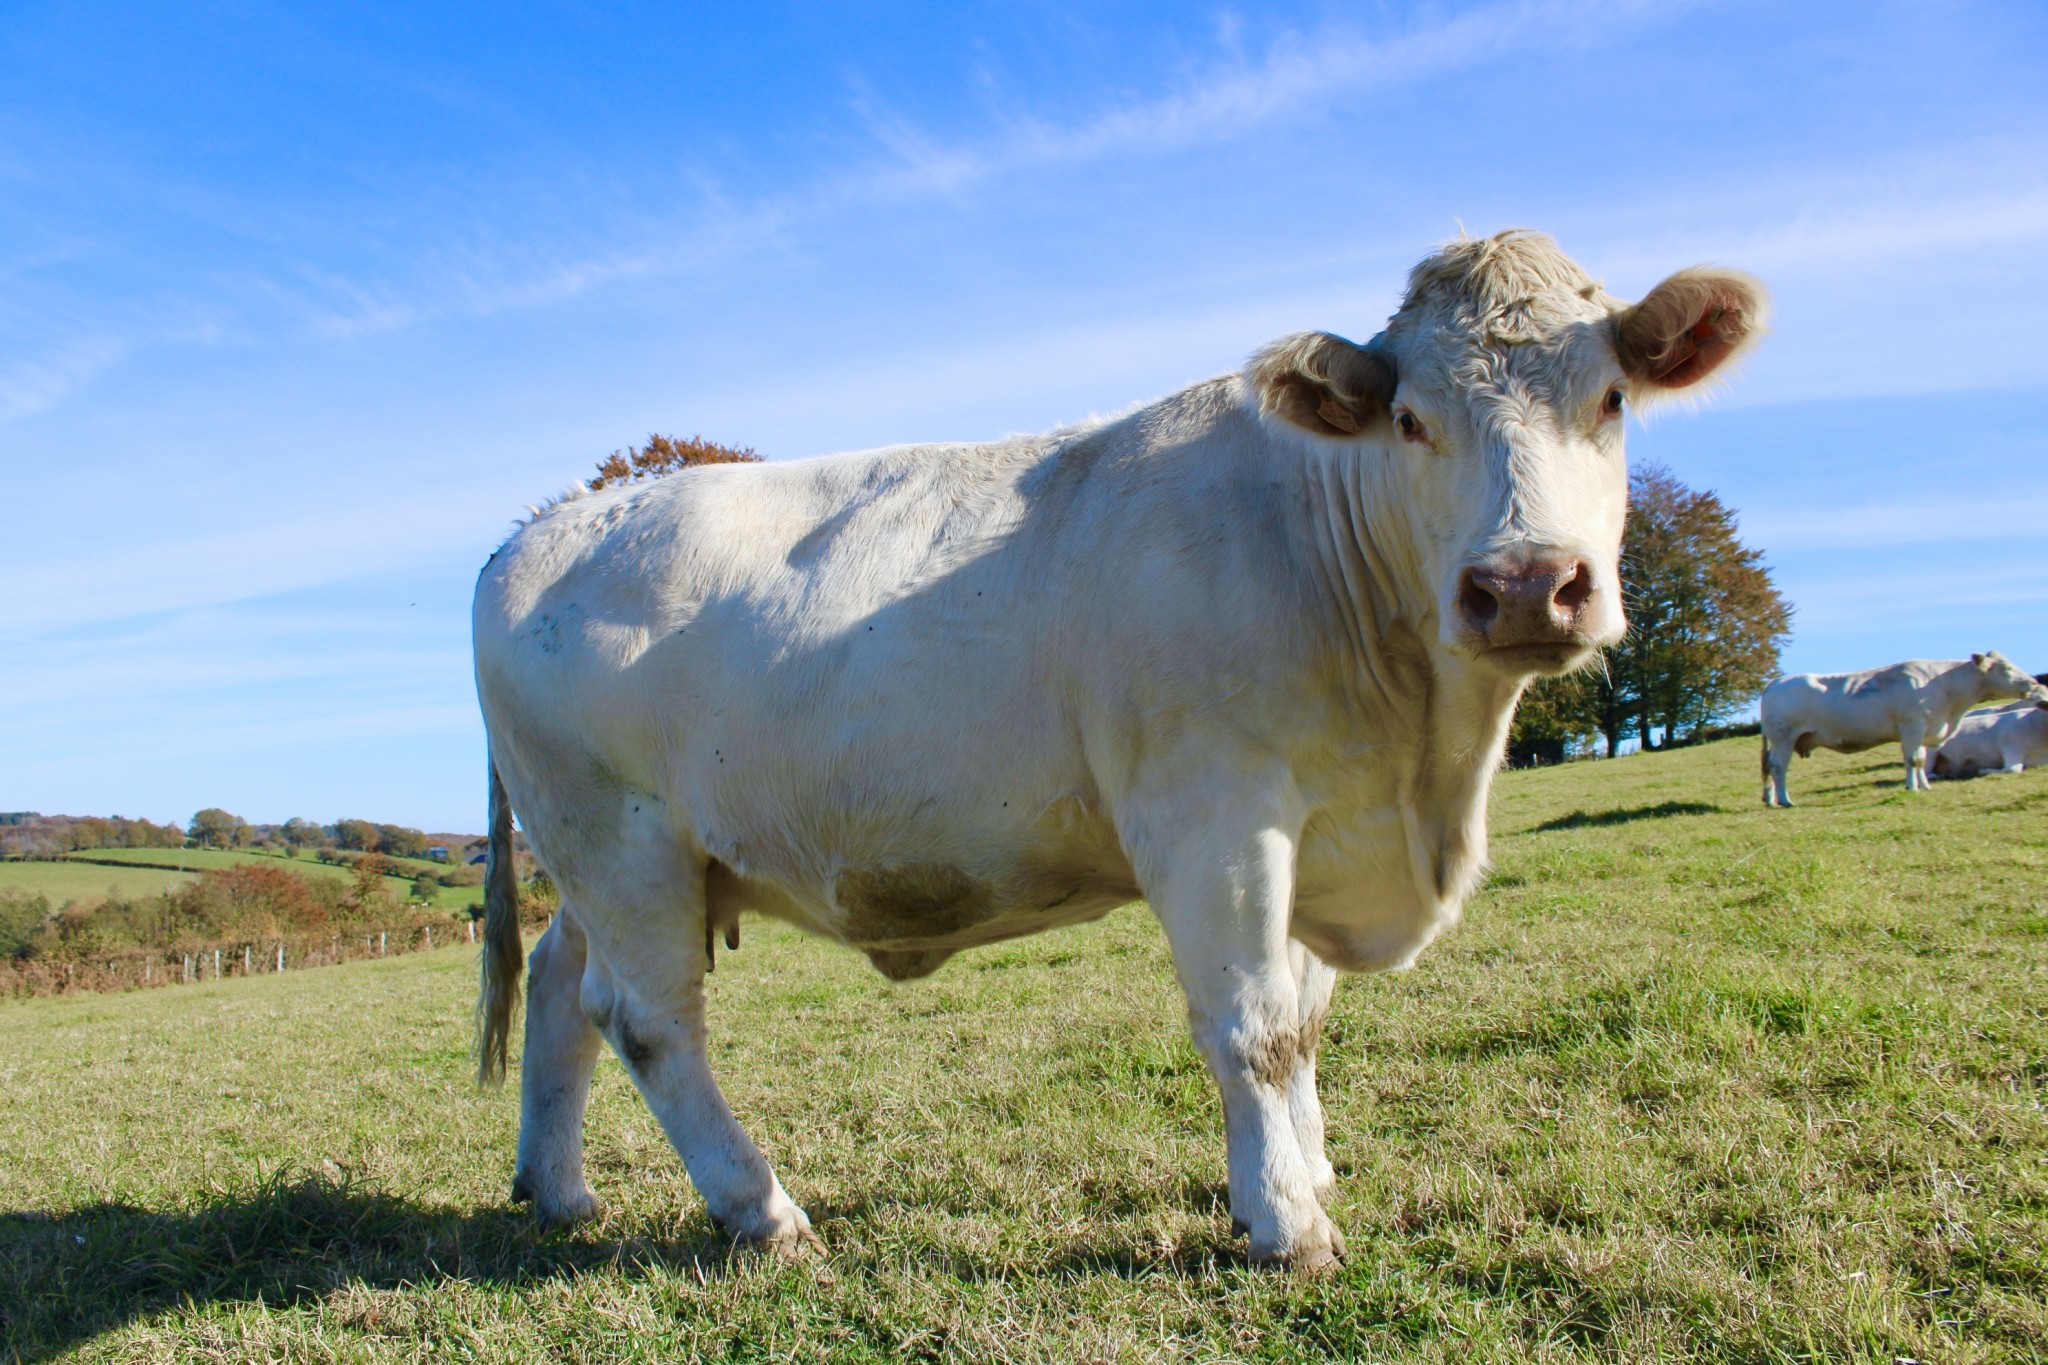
<point x="1580" y="819"/>
<point x="67" y="1278"/>
<point x="70" y="1277"/>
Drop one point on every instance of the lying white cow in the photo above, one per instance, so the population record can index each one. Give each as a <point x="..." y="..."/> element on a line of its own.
<point x="2009" y="740"/>
<point x="1916" y="703"/>
<point x="1249" y="652"/>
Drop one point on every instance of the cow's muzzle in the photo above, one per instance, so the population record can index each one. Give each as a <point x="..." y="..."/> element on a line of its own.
<point x="1535" y="616"/>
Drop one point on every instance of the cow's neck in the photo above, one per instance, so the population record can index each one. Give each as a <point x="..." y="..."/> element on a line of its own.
<point x="1963" y="684"/>
<point x="1442" y="718"/>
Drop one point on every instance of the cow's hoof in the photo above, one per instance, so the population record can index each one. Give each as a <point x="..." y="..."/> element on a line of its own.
<point x="785" y="1232"/>
<point x="565" y="1210"/>
<point x="1320" y="1254"/>
<point x="1319" y="1249"/>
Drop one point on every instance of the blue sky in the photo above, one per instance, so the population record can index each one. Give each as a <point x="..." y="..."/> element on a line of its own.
<point x="300" y="304"/>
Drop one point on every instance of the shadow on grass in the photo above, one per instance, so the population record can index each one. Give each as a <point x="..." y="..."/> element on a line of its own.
<point x="1580" y="819"/>
<point x="66" y="1278"/>
<point x="294" y="1240"/>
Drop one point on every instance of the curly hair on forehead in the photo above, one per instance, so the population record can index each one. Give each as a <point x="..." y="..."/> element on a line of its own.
<point x="1514" y="283"/>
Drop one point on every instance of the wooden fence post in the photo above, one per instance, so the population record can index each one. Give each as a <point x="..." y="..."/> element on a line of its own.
<point x="430" y="938"/>
<point x="245" y="959"/>
<point x="216" y="964"/>
<point x="280" y="957"/>
<point x="380" y="941"/>
<point x="471" y="926"/>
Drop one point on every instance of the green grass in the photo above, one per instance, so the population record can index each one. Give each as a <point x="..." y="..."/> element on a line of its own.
<point x="1696" y="1081"/>
<point x="65" y="881"/>
<point x="76" y="878"/>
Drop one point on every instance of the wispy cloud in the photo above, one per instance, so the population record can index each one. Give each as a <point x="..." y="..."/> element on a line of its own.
<point x="239" y="563"/>
<point x="1882" y="525"/>
<point x="35" y="386"/>
<point x="1309" y="74"/>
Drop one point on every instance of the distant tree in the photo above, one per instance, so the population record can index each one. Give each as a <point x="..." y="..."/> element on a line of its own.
<point x="1705" y="625"/>
<point x="368" y="885"/>
<point x="214" y="828"/>
<point x="1553" y="721"/>
<point x="359" y="836"/>
<point x="298" y="833"/>
<point x="424" y="887"/>
<point x="401" y="841"/>
<point x="1706" y="621"/>
<point x="663" y="455"/>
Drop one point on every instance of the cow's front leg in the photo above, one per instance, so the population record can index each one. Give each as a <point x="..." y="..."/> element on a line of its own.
<point x="1224" y="903"/>
<point x="1913" y="744"/>
<point x="1313" y="983"/>
<point x="644" y="989"/>
<point x="554" y="1078"/>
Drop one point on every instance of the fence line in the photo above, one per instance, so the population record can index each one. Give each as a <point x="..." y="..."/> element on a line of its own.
<point x="124" y="969"/>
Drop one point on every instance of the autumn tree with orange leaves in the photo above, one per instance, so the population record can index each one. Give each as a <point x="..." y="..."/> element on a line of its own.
<point x="664" y="455"/>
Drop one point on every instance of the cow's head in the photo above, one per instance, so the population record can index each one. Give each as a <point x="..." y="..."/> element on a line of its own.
<point x="2004" y="678"/>
<point x="1490" y="409"/>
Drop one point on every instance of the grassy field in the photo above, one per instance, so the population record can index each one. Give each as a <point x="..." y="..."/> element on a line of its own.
<point x="76" y="878"/>
<point x="66" y="881"/>
<point x="1695" y="1081"/>
<point x="230" y="857"/>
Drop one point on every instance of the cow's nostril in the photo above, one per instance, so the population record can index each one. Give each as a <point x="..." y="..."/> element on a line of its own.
<point x="1478" y="605"/>
<point x="1573" y="592"/>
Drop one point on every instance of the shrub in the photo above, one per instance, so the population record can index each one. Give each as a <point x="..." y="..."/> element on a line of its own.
<point x="21" y="917"/>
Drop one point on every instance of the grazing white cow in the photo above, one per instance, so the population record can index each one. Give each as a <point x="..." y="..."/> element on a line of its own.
<point x="1916" y="704"/>
<point x="1248" y="652"/>
<point x="2008" y="740"/>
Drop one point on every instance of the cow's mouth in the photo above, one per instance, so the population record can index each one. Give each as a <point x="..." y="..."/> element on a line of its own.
<point x="1549" y="658"/>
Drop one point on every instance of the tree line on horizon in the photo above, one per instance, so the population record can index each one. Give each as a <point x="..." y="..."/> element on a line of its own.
<point x="27" y="834"/>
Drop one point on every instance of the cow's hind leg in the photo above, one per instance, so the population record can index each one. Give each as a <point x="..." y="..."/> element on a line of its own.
<point x="1780" y="761"/>
<point x="642" y="908"/>
<point x="1313" y="983"/>
<point x="554" y="1078"/>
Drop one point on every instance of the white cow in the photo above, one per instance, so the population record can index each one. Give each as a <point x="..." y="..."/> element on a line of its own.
<point x="2008" y="740"/>
<point x="1248" y="652"/>
<point x="1916" y="703"/>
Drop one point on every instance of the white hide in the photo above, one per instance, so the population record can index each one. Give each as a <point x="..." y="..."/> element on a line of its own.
<point x="1249" y="652"/>
<point x="1916" y="704"/>
<point x="2008" y="740"/>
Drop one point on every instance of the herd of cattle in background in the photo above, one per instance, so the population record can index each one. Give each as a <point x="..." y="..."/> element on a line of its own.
<point x="1924" y="705"/>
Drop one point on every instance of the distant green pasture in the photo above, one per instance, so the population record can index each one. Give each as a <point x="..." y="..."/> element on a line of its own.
<point x="75" y="878"/>
<point x="67" y="881"/>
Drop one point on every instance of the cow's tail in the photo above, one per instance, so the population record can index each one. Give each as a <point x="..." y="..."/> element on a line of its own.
<point x="504" y="953"/>
<point x="1767" y="756"/>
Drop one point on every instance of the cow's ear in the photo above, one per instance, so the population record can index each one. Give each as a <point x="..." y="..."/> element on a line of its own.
<point x="1323" y="383"/>
<point x="1981" y="660"/>
<point x="1690" y="326"/>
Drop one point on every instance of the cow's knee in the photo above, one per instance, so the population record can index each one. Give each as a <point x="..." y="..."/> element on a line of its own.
<point x="1252" y="1049"/>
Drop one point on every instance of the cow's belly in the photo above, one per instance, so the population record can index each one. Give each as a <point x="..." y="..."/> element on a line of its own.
<point x="912" y="898"/>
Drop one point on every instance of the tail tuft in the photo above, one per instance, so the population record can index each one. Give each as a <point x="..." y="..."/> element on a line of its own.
<point x="504" y="955"/>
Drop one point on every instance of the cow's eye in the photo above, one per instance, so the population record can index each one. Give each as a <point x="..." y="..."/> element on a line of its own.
<point x="1409" y="427"/>
<point x="1614" y="401"/>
